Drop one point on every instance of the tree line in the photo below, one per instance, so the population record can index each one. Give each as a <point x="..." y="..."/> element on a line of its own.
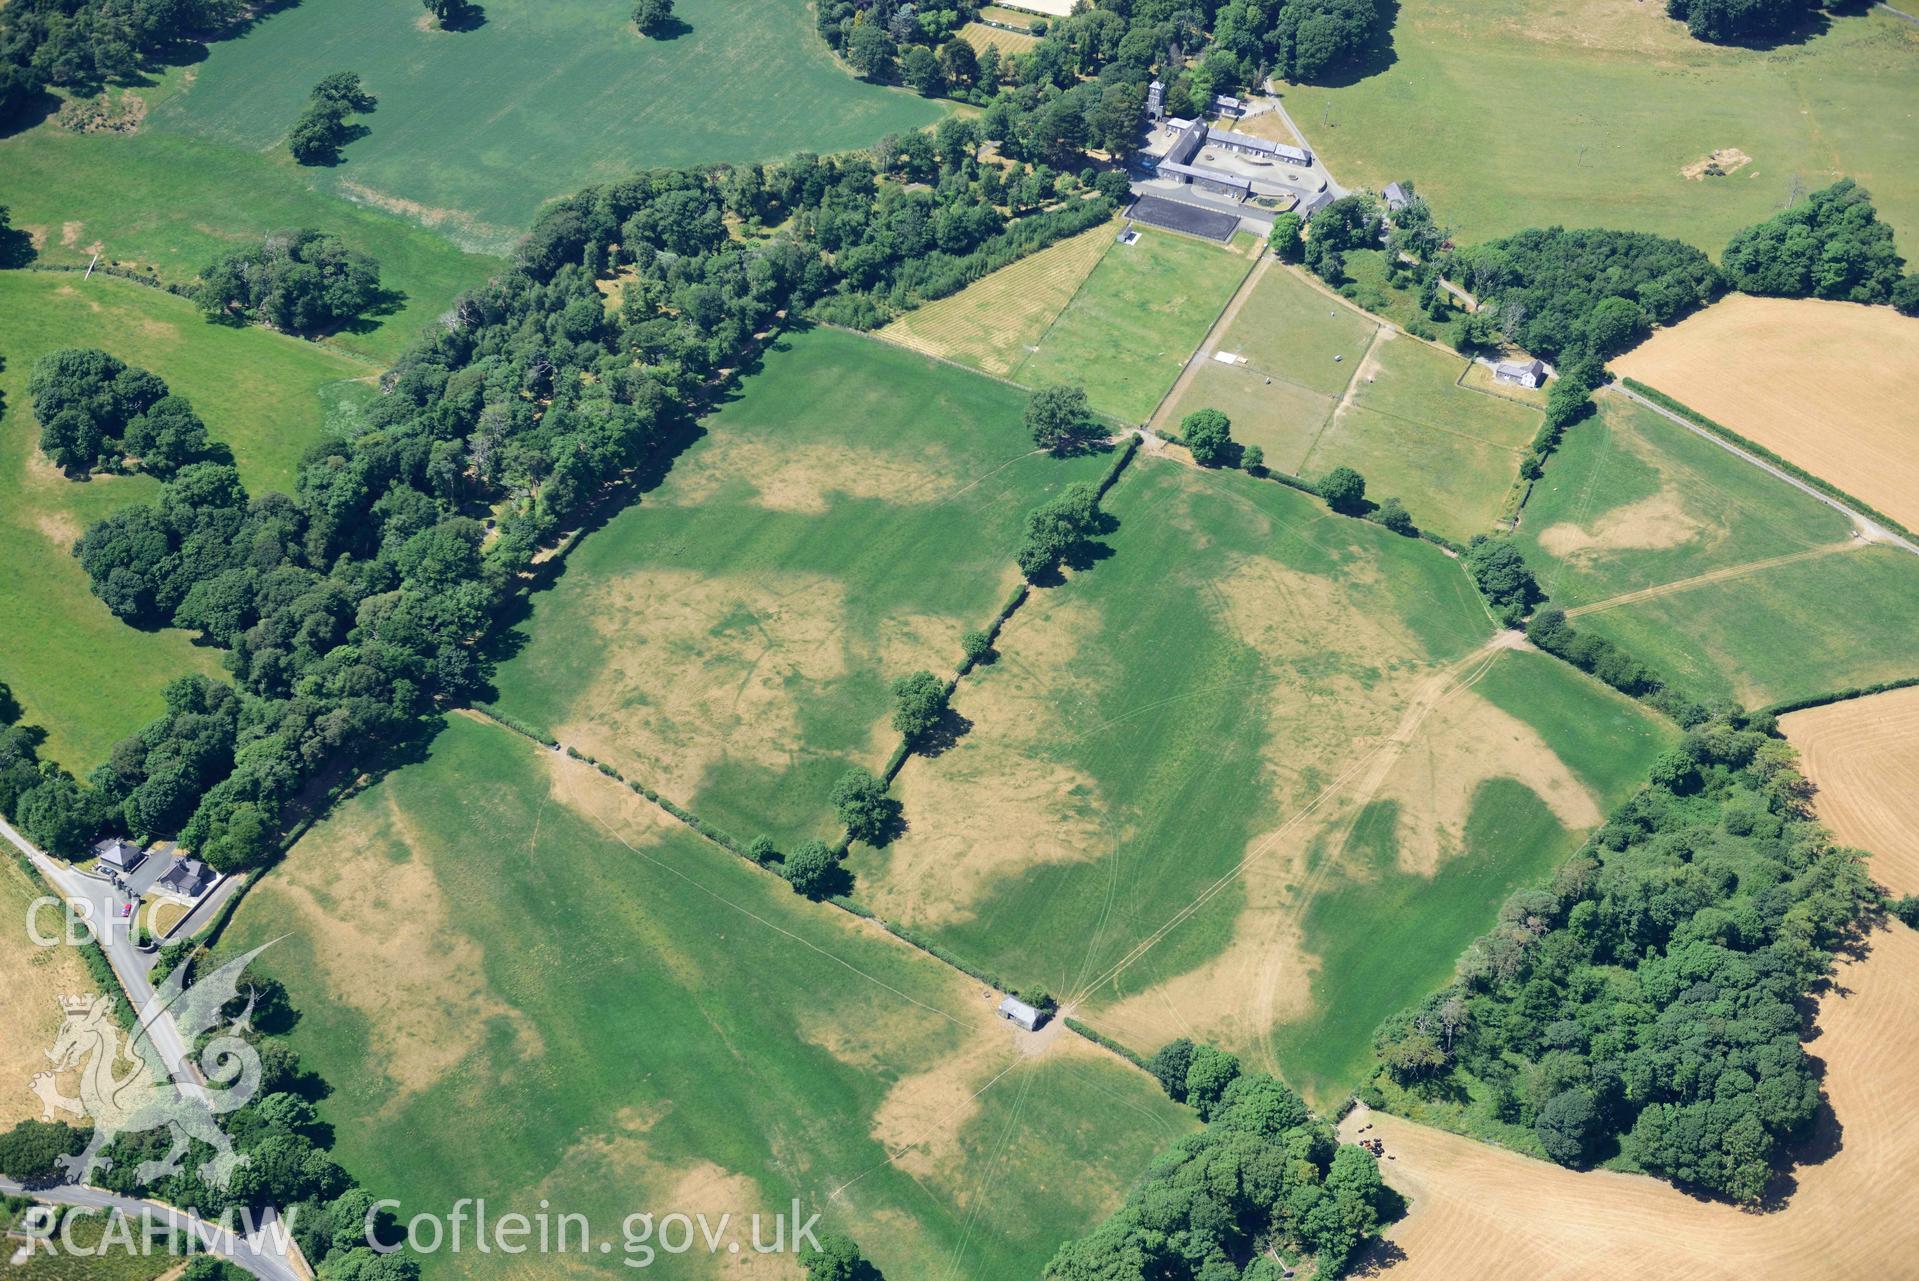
<point x="355" y="608"/>
<point x="82" y="45"/>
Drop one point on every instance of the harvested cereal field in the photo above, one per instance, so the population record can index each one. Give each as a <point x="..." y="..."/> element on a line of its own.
<point x="1478" y="1211"/>
<point x="1829" y="386"/>
<point x="1863" y="756"/>
<point x="32" y="981"/>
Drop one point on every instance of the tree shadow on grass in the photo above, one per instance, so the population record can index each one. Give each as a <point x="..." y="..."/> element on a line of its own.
<point x="945" y="734"/>
<point x="671" y="29"/>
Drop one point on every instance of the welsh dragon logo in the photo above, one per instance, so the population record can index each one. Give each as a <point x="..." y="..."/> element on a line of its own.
<point x="144" y="1095"/>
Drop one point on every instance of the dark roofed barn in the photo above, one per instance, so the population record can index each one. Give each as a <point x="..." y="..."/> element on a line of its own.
<point x="188" y="877"/>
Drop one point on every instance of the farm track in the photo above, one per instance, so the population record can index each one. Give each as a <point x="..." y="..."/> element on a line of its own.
<point x="1210" y="343"/>
<point x="1870" y="529"/>
<point x="1725" y="574"/>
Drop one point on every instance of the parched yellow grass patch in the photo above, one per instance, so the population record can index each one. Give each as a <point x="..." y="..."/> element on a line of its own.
<point x="993" y="322"/>
<point x="1863" y="756"/>
<point x="745" y="652"/>
<point x="1828" y="385"/>
<point x="383" y="939"/>
<point x="1479" y="1211"/>
<point x="32" y="981"/>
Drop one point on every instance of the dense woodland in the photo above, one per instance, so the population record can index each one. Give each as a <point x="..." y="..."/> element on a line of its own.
<point x="1646" y="1006"/>
<point x="358" y="605"/>
<point x="1743" y="21"/>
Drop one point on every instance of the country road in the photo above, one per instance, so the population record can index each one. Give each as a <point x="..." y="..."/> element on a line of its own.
<point x="264" y="1253"/>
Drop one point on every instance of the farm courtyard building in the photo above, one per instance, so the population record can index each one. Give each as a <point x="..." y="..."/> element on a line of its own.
<point x="1190" y="153"/>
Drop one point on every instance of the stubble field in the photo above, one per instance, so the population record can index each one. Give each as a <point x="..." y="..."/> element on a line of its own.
<point x="1478" y="1211"/>
<point x="1863" y="756"/>
<point x="1830" y="386"/>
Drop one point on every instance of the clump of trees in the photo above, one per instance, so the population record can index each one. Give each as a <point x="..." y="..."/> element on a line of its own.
<point x="861" y="802"/>
<point x="1503" y="578"/>
<point x="1058" y="530"/>
<point x="1566" y="295"/>
<point x="1648" y="1001"/>
<point x="1832" y="245"/>
<point x="30" y="1152"/>
<point x="451" y="15"/>
<point x="838" y="1258"/>
<point x="1286" y="237"/>
<point x="1732" y="21"/>
<point x="1209" y="437"/>
<point x="1549" y="630"/>
<point x="301" y="282"/>
<point x="327" y="125"/>
<point x="919" y="704"/>
<point x="96" y="410"/>
<point x="814" y="869"/>
<point x="1264" y="1173"/>
<point x="1351" y="222"/>
<point x="1060" y="419"/>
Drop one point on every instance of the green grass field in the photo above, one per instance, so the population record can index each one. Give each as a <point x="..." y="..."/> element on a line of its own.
<point x="1162" y="810"/>
<point x="1729" y="582"/>
<point x="85" y="676"/>
<point x="731" y="638"/>
<point x="169" y="204"/>
<point x="1535" y="112"/>
<point x="475" y="129"/>
<point x="526" y="983"/>
<point x="1135" y="322"/>
<point x="1325" y="386"/>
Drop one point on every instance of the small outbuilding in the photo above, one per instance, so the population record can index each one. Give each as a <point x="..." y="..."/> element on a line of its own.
<point x="1021" y="1013"/>
<point x="1397" y="197"/>
<point x="1520" y="373"/>
<point x="118" y="855"/>
<point x="187" y="877"/>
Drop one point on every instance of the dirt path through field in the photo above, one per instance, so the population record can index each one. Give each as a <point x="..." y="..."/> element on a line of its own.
<point x="1479" y="1211"/>
<point x="1723" y="574"/>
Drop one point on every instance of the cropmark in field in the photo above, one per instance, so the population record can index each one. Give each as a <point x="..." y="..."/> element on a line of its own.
<point x="626" y="1018"/>
<point x="88" y="678"/>
<point x="1728" y="581"/>
<point x="732" y="638"/>
<point x="1258" y="776"/>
